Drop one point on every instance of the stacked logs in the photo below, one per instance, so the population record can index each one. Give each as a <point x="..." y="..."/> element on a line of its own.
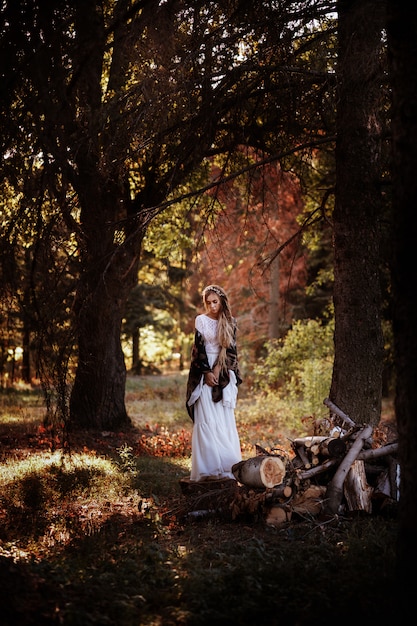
<point x="312" y="450"/>
<point x="338" y="473"/>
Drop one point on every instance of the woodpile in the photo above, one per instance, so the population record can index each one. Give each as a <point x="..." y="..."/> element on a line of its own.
<point x="336" y="473"/>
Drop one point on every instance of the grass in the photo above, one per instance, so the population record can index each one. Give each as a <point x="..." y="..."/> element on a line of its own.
<point x="101" y="535"/>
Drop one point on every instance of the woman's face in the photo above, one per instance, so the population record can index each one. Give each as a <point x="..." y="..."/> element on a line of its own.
<point x="213" y="305"/>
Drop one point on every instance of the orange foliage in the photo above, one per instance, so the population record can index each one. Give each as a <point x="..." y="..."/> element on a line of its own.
<point x="239" y="251"/>
<point x="160" y="442"/>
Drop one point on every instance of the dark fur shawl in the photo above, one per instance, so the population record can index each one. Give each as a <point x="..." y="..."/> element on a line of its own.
<point x="200" y="365"/>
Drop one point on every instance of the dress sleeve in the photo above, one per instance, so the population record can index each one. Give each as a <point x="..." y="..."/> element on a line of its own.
<point x="199" y="324"/>
<point x="198" y="366"/>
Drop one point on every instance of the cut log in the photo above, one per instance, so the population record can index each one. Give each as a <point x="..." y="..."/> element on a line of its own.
<point x="278" y="515"/>
<point x="319" y="469"/>
<point x="303" y="456"/>
<point x="308" y="441"/>
<point x="387" y="484"/>
<point x="326" y="446"/>
<point x="335" y="487"/>
<point x="260" y="471"/>
<point x="309" y="501"/>
<point x="356" y="489"/>
<point x="279" y="493"/>
<point x="333" y="447"/>
<point x="383" y="485"/>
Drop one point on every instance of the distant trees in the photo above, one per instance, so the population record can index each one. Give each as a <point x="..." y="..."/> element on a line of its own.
<point x="36" y="283"/>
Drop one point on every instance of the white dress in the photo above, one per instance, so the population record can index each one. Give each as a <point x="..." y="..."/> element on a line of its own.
<point x="215" y="441"/>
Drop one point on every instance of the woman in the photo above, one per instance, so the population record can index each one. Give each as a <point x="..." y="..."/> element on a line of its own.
<point x="212" y="390"/>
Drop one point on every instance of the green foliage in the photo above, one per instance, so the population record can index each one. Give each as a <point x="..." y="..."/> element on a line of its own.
<point x="157" y="477"/>
<point x="267" y="421"/>
<point x="39" y="492"/>
<point x="157" y="400"/>
<point x="127" y="459"/>
<point x="298" y="367"/>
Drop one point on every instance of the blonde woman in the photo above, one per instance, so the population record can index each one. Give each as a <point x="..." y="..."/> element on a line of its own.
<point x="212" y="389"/>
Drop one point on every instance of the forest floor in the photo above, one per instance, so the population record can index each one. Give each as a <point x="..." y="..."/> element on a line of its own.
<point x="101" y="534"/>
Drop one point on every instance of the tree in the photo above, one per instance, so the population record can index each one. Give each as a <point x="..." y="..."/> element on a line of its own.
<point x="357" y="374"/>
<point x="402" y="42"/>
<point x="120" y="102"/>
<point x="37" y="278"/>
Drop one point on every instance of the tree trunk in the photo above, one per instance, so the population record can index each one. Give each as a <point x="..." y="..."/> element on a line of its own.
<point x="402" y="40"/>
<point x="98" y="394"/>
<point x="26" y="322"/>
<point x="274" y="309"/>
<point x="109" y="239"/>
<point x="110" y="270"/>
<point x="357" y="374"/>
<point x="135" y="351"/>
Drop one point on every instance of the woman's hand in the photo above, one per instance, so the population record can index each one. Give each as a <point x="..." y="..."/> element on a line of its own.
<point x="211" y="379"/>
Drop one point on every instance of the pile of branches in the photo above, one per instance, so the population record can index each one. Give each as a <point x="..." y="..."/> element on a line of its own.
<point x="337" y="473"/>
<point x="342" y="471"/>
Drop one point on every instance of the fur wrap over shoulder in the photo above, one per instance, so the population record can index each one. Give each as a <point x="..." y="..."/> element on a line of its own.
<point x="200" y="365"/>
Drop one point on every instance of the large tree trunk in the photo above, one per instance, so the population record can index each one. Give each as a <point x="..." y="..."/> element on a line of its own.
<point x="109" y="241"/>
<point x="110" y="271"/>
<point x="98" y="395"/>
<point x="357" y="374"/>
<point x="402" y="39"/>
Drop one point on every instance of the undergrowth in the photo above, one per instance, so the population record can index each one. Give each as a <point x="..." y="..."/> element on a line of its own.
<point x="100" y="534"/>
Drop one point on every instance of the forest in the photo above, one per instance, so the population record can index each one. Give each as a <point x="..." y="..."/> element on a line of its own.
<point x="152" y="147"/>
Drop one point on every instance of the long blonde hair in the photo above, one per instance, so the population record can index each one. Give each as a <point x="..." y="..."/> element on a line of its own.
<point x="226" y="323"/>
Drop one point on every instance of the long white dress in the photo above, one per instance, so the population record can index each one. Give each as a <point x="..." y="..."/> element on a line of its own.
<point x="215" y="440"/>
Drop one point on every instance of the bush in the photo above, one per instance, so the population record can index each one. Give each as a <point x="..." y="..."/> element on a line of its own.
<point x="298" y="367"/>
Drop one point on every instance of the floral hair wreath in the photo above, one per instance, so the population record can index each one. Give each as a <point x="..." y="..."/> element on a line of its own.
<point x="215" y="289"/>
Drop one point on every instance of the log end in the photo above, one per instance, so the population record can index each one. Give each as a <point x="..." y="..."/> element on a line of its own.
<point x="278" y="515"/>
<point x="272" y="471"/>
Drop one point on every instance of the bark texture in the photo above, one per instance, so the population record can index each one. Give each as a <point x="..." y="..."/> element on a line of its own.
<point x="357" y="384"/>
